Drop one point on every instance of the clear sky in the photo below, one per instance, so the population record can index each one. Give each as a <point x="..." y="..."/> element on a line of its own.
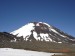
<point x="16" y="13"/>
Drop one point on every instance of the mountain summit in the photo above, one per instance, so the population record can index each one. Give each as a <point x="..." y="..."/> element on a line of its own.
<point x="41" y="31"/>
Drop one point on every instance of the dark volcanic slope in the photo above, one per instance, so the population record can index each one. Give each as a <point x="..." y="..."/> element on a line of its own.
<point x="5" y="37"/>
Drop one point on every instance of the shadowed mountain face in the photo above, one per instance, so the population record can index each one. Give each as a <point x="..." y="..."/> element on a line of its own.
<point x="6" y="37"/>
<point x="40" y="31"/>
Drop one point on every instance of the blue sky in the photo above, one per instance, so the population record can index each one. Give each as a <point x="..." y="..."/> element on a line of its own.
<point x="16" y="13"/>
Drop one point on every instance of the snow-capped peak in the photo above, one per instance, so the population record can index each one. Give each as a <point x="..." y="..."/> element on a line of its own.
<point x="40" y="31"/>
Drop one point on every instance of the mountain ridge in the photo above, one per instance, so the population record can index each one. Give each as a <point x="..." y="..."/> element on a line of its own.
<point x="41" y="31"/>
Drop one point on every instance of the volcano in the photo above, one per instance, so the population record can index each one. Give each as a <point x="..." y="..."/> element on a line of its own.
<point x="40" y="31"/>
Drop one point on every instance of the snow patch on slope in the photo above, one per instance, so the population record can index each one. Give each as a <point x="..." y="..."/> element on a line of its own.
<point x="58" y="33"/>
<point x="24" y="31"/>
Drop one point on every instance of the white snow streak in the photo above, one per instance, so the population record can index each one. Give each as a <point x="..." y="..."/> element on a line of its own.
<point x="54" y="30"/>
